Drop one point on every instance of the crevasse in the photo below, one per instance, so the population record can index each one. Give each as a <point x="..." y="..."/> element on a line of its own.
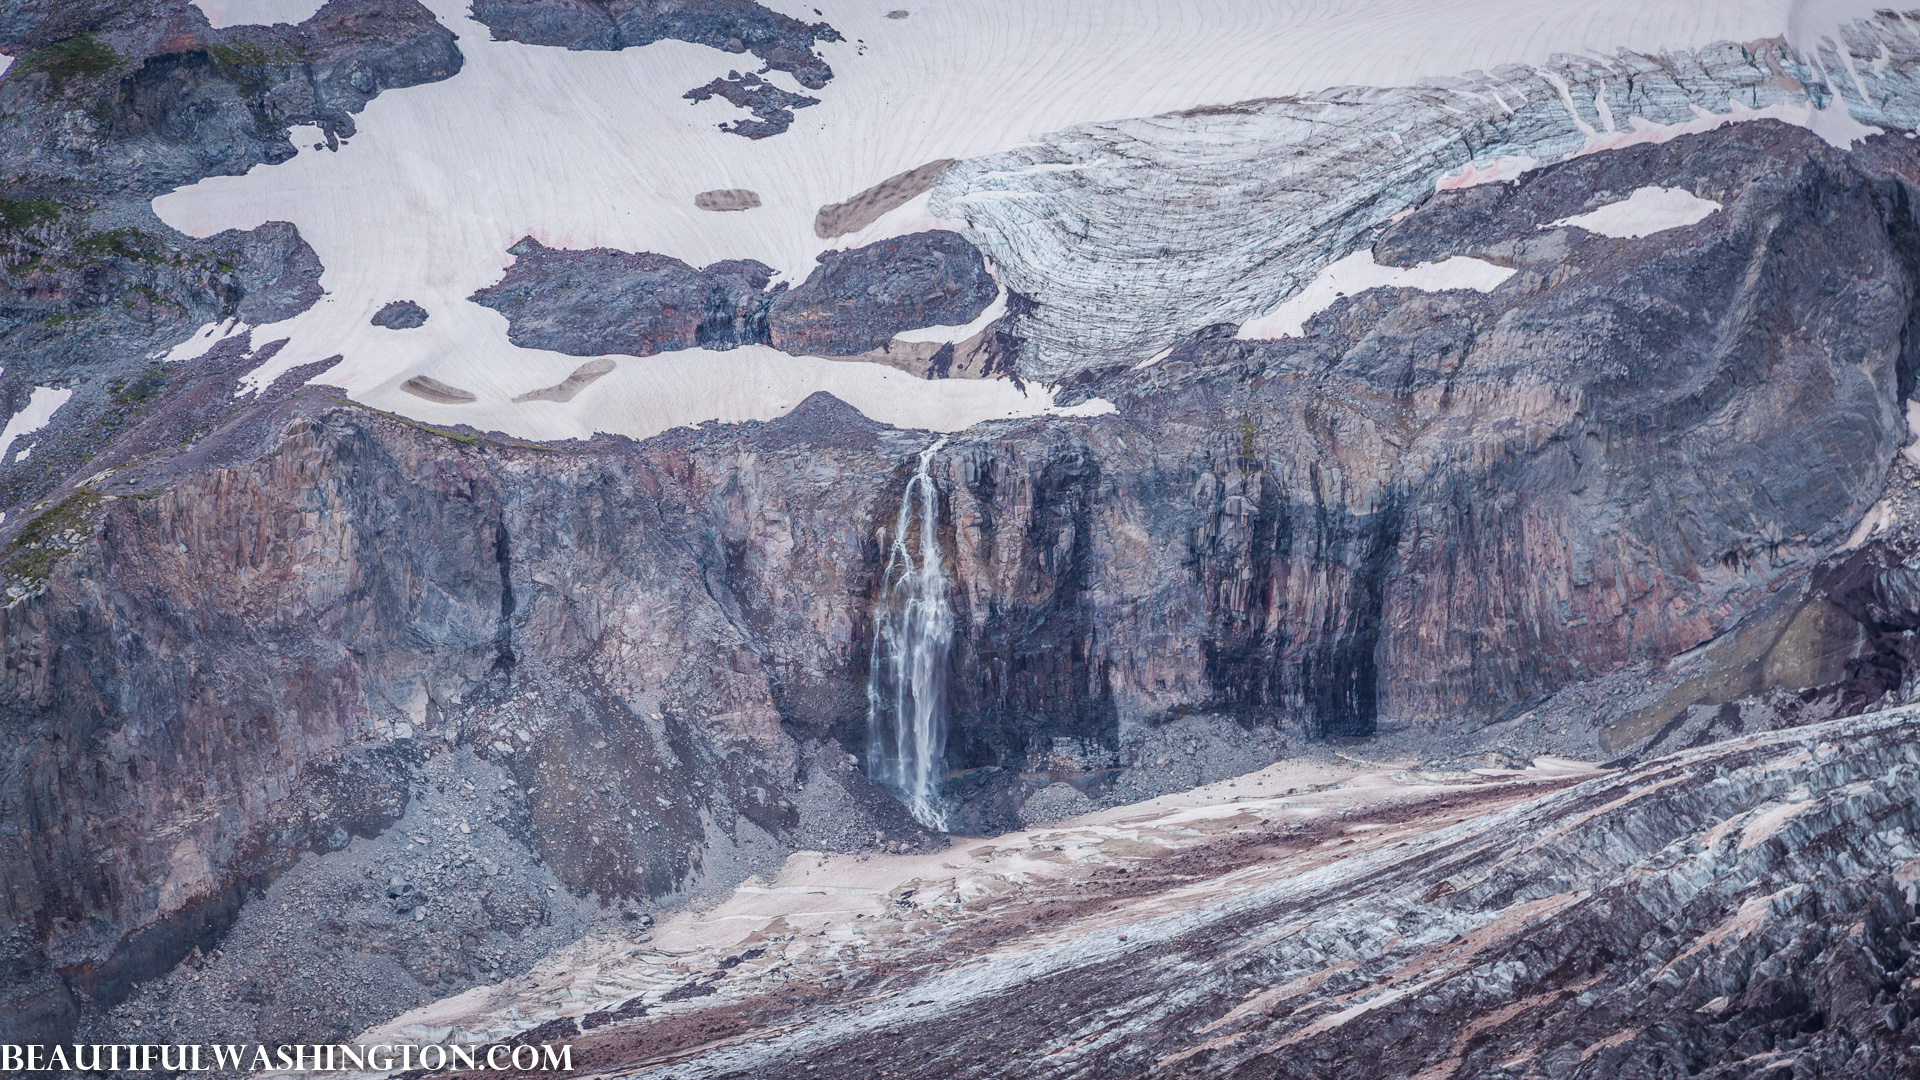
<point x="912" y="640"/>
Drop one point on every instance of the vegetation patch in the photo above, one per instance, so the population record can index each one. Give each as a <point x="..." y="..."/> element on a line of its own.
<point x="83" y="57"/>
<point x="26" y="213"/>
<point x="31" y="555"/>
<point x="140" y="391"/>
<point x="253" y="67"/>
<point x="127" y="243"/>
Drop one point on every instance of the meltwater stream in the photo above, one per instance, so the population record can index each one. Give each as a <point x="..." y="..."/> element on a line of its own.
<point x="912" y="638"/>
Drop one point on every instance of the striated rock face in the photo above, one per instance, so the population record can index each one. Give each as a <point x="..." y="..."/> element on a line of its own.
<point x="1734" y="911"/>
<point x="857" y="300"/>
<point x="602" y="301"/>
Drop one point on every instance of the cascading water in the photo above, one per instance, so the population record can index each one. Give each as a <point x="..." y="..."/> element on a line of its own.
<point x="912" y="637"/>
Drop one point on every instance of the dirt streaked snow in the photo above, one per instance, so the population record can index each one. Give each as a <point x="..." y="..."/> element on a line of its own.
<point x="825" y="911"/>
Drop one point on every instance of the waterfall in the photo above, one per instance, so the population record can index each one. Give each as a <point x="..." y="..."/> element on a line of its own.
<point x="912" y="637"/>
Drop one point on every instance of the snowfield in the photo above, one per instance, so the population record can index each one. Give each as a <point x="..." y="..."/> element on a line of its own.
<point x="1647" y="211"/>
<point x="1356" y="274"/>
<point x="584" y="149"/>
<point x="224" y="13"/>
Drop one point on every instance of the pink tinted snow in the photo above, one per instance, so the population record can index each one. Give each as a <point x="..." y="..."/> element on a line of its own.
<point x="1506" y="167"/>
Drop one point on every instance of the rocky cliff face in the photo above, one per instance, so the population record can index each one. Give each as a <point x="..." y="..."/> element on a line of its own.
<point x="1432" y="510"/>
<point x="268" y="649"/>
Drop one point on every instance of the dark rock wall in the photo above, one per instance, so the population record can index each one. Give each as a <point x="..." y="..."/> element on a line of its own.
<point x="586" y="303"/>
<point x="737" y="26"/>
<point x="595" y="301"/>
<point x="857" y="300"/>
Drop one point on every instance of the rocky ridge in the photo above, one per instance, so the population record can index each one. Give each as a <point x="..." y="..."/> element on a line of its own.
<point x="598" y="301"/>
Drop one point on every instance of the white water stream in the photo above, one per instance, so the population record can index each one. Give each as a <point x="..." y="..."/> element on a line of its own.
<point x="912" y="639"/>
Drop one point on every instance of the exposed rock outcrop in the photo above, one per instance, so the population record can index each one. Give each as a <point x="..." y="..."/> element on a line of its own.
<point x="400" y="315"/>
<point x="602" y="301"/>
<point x="783" y="42"/>
<point x="857" y="300"/>
<point x="736" y="26"/>
<point x="771" y="106"/>
<point x="586" y="303"/>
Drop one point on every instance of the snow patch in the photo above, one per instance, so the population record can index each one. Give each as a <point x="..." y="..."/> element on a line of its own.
<point x="204" y="339"/>
<point x="1152" y="360"/>
<point x="46" y="401"/>
<point x="943" y="335"/>
<point x="1356" y="274"/>
<point x="225" y="13"/>
<point x="1834" y="124"/>
<point x="5" y="63"/>
<point x="1647" y="211"/>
